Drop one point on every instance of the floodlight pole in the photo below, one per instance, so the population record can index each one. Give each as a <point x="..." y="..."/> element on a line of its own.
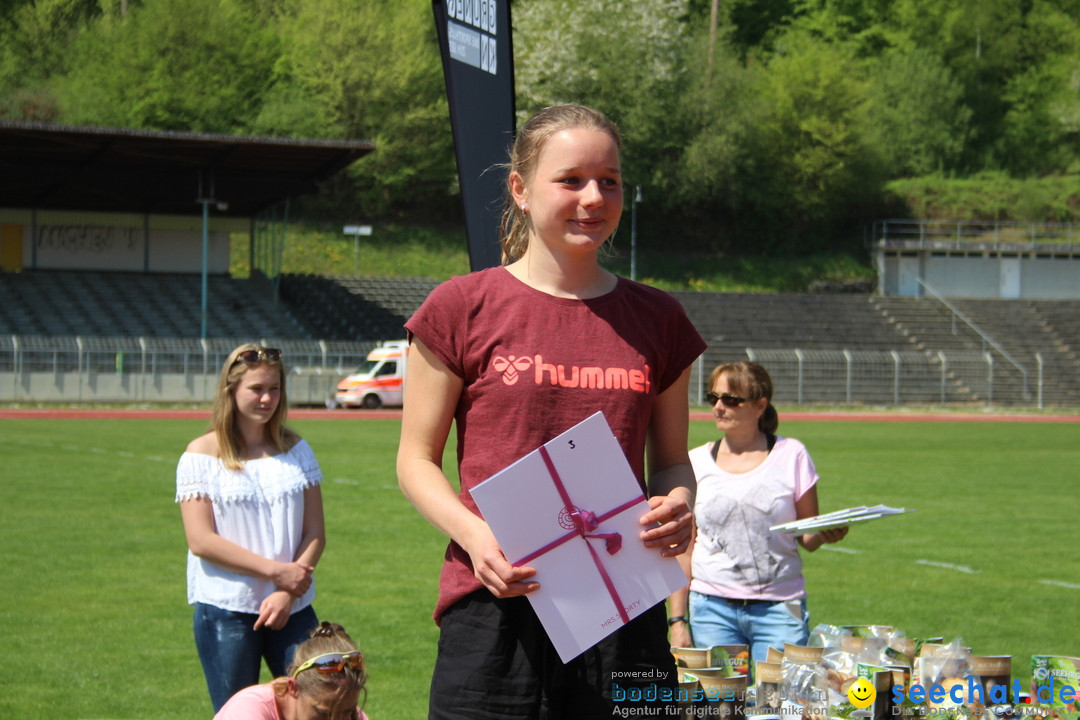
<point x="205" y="260"/>
<point x="205" y="199"/>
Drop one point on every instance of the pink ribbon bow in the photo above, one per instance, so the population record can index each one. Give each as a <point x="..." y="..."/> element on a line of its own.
<point x="585" y="521"/>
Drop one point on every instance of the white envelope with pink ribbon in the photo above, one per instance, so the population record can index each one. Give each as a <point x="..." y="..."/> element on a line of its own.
<point x="570" y="509"/>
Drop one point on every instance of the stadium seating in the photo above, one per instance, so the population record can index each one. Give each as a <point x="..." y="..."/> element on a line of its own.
<point x="351" y="309"/>
<point x="49" y="302"/>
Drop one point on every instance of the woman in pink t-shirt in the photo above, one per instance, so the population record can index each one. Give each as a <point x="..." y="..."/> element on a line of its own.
<point x="746" y="582"/>
<point x="324" y="683"/>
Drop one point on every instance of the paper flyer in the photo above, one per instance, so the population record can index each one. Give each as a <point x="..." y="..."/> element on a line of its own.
<point x="839" y="518"/>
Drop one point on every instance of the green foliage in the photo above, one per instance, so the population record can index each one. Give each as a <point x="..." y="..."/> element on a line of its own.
<point x="373" y="70"/>
<point x="1016" y="63"/>
<point x="755" y="24"/>
<point x="784" y="162"/>
<point x="990" y="196"/>
<point x="634" y="71"/>
<point x="748" y="272"/>
<point x="719" y="157"/>
<point x="815" y="91"/>
<point x="393" y="249"/>
<point x="915" y="119"/>
<point x="197" y="65"/>
<point x="776" y="134"/>
<point x="33" y="38"/>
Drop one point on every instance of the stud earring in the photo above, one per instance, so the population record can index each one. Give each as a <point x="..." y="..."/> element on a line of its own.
<point x="524" y="208"/>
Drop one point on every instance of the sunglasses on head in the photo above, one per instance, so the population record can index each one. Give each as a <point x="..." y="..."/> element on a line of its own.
<point x="253" y="357"/>
<point x="332" y="662"/>
<point x="727" y="399"/>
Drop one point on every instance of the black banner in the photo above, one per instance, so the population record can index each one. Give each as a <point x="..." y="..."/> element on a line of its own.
<point x="478" y="64"/>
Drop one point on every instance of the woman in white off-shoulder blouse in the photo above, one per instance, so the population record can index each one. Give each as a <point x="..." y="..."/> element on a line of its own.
<point x="252" y="509"/>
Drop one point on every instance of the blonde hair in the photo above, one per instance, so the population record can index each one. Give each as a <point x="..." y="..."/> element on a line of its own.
<point x="223" y="419"/>
<point x="752" y="381"/>
<point x="325" y="639"/>
<point x="524" y="154"/>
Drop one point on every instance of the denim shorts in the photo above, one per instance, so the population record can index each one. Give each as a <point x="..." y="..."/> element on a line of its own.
<point x="718" y="621"/>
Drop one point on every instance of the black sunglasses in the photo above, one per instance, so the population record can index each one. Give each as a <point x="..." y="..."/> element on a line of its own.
<point x="728" y="399"/>
<point x="253" y="357"/>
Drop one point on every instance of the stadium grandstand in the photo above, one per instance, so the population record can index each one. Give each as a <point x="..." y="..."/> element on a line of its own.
<point x="103" y="291"/>
<point x="836" y="349"/>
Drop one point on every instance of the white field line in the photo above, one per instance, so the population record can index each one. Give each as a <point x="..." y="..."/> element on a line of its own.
<point x="833" y="548"/>
<point x="95" y="450"/>
<point x="343" y="481"/>
<point x="947" y="566"/>
<point x="1060" y="583"/>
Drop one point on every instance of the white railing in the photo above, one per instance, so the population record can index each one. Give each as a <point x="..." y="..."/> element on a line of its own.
<point x="986" y="339"/>
<point x="971" y="234"/>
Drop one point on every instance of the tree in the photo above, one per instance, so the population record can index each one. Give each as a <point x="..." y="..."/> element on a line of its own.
<point x="816" y="92"/>
<point x="195" y="65"/>
<point x="915" y="119"/>
<point x="1042" y="97"/>
<point x="778" y="161"/>
<point x="33" y="39"/>
<point x="365" y="69"/>
<point x="1012" y="60"/>
<point x="633" y="70"/>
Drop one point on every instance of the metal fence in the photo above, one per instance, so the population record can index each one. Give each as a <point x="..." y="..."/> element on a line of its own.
<point x="889" y="378"/>
<point x="156" y="370"/>
<point x="905" y="234"/>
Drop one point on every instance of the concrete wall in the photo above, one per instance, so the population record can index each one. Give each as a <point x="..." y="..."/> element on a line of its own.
<point x="1010" y="275"/>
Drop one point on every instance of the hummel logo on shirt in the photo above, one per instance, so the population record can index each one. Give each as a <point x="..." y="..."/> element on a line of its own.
<point x="516" y="367"/>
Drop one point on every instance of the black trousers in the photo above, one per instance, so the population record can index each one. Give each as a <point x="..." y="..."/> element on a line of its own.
<point x="495" y="661"/>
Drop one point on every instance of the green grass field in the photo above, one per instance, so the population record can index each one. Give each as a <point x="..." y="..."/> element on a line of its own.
<point x="95" y="623"/>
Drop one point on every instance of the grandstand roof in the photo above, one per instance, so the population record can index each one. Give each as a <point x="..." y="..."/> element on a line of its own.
<point x="151" y="171"/>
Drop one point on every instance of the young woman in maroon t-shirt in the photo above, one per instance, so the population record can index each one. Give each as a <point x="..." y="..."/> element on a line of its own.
<point x="497" y="352"/>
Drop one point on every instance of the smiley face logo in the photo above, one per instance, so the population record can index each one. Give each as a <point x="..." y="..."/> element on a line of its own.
<point x="861" y="693"/>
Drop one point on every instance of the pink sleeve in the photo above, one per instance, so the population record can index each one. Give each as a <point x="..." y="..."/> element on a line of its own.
<point x="253" y="703"/>
<point x="805" y="473"/>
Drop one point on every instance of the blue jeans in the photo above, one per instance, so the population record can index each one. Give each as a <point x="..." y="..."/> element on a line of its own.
<point x="715" y="621"/>
<point x="231" y="652"/>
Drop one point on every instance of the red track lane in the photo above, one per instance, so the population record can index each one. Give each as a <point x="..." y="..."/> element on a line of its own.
<point x="321" y="414"/>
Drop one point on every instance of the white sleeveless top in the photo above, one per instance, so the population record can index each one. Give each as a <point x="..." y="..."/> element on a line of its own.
<point x="260" y="507"/>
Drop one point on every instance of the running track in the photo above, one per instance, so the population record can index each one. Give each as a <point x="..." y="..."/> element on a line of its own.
<point x="321" y="414"/>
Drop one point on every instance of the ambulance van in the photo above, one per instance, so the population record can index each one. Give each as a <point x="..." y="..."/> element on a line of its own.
<point x="378" y="381"/>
